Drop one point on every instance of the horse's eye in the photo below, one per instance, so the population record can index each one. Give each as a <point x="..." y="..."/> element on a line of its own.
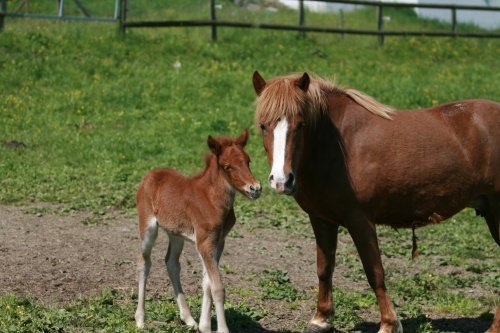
<point x="263" y="127"/>
<point x="227" y="167"/>
<point x="301" y="125"/>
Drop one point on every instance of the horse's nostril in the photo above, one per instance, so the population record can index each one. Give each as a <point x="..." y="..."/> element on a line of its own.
<point x="290" y="180"/>
<point x="252" y="188"/>
<point x="271" y="177"/>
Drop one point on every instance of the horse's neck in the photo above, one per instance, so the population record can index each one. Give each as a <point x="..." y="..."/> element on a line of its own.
<point x="215" y="183"/>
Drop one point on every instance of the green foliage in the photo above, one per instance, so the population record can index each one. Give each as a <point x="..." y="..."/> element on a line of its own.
<point x="96" y="110"/>
<point x="276" y="284"/>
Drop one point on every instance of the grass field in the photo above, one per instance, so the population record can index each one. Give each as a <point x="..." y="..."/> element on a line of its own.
<point x="95" y="111"/>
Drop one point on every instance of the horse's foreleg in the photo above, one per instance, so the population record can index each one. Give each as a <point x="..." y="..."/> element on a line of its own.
<point x="144" y="265"/>
<point x="495" y="326"/>
<point x="175" y="246"/>
<point x="364" y="236"/>
<point x="213" y="288"/>
<point x="326" y="245"/>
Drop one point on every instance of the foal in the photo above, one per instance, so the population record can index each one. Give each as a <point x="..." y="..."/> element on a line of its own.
<point x="200" y="209"/>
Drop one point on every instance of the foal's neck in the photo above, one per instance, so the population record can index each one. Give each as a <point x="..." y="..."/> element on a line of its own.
<point x="216" y="184"/>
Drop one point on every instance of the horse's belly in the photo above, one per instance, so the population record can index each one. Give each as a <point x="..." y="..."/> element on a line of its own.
<point x="405" y="212"/>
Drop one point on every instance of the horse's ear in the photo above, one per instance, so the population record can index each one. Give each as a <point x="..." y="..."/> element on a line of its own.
<point x="214" y="145"/>
<point x="303" y="82"/>
<point x="258" y="83"/>
<point x="243" y="138"/>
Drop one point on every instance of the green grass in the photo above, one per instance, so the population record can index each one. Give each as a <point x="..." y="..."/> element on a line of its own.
<point x="96" y="111"/>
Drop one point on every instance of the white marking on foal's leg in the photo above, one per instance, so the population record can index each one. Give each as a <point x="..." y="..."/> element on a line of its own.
<point x="206" y="304"/>
<point x="213" y="290"/>
<point x="175" y="246"/>
<point x="279" y="146"/>
<point x="144" y="265"/>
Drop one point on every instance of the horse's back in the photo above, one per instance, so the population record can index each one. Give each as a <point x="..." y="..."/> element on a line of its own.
<point x="428" y="164"/>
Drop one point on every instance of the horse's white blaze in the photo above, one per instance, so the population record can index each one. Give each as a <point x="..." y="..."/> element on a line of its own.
<point x="279" y="147"/>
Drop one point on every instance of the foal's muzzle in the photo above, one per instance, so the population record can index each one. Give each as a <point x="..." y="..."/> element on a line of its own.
<point x="253" y="191"/>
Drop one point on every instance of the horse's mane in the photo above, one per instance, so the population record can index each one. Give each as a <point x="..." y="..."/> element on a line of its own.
<point x="281" y="97"/>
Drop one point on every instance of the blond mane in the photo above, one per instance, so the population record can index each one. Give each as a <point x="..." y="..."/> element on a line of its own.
<point x="282" y="98"/>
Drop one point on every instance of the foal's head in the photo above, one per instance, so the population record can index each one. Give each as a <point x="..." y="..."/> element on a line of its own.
<point x="281" y="108"/>
<point x="234" y="163"/>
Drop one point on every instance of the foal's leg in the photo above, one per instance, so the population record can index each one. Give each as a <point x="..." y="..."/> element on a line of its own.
<point x="144" y="265"/>
<point x="210" y="250"/>
<point x="326" y="246"/>
<point x="175" y="247"/>
<point x="364" y="236"/>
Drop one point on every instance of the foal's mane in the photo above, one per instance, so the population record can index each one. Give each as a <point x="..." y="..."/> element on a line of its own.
<point x="281" y="97"/>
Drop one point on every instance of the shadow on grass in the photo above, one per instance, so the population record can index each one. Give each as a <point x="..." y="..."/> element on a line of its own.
<point x="458" y="325"/>
<point x="242" y="323"/>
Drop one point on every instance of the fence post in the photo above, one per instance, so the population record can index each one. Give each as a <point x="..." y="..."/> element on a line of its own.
<point x="301" y="17"/>
<point x="3" y="11"/>
<point x="341" y="22"/>
<point x="213" y="19"/>
<point x="454" y="21"/>
<point x="60" y="8"/>
<point x="123" y="16"/>
<point x="380" y="22"/>
<point x="116" y="15"/>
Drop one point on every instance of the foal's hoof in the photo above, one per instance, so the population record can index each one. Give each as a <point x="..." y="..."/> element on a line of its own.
<point x="313" y="328"/>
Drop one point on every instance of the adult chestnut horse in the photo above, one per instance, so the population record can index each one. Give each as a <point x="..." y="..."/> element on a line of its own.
<point x="351" y="161"/>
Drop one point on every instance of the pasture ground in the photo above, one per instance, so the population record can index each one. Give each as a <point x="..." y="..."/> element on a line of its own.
<point x="60" y="260"/>
<point x="85" y="113"/>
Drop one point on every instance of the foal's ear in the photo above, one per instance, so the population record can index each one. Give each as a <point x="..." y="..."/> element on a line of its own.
<point x="214" y="145"/>
<point x="243" y="138"/>
<point x="258" y="83"/>
<point x="303" y="82"/>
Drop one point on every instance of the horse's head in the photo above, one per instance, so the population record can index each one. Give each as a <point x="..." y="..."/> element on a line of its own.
<point x="281" y="108"/>
<point x="235" y="164"/>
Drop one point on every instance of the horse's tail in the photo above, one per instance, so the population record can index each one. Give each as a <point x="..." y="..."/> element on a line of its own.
<point x="489" y="208"/>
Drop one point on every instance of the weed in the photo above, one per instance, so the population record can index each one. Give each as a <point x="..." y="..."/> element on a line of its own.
<point x="276" y="284"/>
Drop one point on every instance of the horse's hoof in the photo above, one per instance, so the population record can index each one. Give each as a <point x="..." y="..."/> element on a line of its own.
<point x="313" y="328"/>
<point x="396" y="329"/>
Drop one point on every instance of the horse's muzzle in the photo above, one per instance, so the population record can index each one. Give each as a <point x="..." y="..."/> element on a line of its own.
<point x="287" y="186"/>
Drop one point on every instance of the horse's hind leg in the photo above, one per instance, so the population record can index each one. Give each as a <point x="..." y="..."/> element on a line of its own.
<point x="489" y="207"/>
<point x="492" y="216"/>
<point x="495" y="326"/>
<point x="175" y="246"/>
<point x="148" y="238"/>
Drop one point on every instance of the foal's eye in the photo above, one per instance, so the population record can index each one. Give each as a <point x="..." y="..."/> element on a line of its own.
<point x="227" y="167"/>
<point x="263" y="127"/>
<point x="301" y="125"/>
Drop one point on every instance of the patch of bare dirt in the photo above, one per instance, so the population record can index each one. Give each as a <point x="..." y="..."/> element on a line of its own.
<point x="59" y="259"/>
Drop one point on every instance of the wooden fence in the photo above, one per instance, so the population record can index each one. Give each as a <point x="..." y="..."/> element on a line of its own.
<point x="60" y="15"/>
<point x="122" y="5"/>
<point x="214" y="23"/>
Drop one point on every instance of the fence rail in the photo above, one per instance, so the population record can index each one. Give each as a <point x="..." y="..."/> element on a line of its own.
<point x="213" y="22"/>
<point x="60" y="13"/>
<point x="121" y="6"/>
